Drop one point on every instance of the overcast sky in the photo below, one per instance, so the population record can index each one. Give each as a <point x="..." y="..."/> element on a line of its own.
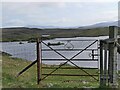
<point x="58" y="13"/>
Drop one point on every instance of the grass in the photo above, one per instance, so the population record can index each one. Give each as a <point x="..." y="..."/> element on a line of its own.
<point x="12" y="66"/>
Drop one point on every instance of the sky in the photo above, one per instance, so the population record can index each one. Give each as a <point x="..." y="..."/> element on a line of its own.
<point x="62" y="13"/>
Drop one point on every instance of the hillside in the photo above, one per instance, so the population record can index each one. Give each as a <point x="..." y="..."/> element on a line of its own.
<point x="23" y="33"/>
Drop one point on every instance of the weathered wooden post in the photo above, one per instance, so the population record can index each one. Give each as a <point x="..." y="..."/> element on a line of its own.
<point x="38" y="46"/>
<point x="101" y="64"/>
<point x="112" y="64"/>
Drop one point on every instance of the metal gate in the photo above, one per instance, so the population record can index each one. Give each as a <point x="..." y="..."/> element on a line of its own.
<point x="91" y="47"/>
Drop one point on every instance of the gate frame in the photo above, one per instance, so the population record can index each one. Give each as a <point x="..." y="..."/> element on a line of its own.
<point x="72" y="58"/>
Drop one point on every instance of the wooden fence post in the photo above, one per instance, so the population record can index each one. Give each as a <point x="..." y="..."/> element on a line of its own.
<point x="101" y="64"/>
<point x="38" y="60"/>
<point x="112" y="65"/>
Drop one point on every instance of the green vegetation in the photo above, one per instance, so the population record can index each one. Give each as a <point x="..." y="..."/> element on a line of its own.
<point x="11" y="67"/>
<point x="30" y="34"/>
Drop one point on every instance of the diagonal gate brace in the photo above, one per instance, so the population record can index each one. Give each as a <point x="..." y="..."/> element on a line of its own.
<point x="26" y="68"/>
<point x="69" y="60"/>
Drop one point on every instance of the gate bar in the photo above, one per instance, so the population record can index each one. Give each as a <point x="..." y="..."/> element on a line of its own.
<point x="68" y="75"/>
<point x="69" y="49"/>
<point x="71" y="60"/>
<point x="78" y="40"/>
<point x="68" y="68"/>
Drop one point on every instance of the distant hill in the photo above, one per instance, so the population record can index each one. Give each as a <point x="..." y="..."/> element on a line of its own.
<point x="97" y="25"/>
<point x="103" y="24"/>
<point x="41" y="27"/>
<point x="32" y="32"/>
<point x="51" y="27"/>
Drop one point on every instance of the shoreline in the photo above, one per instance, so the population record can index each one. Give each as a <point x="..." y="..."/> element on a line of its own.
<point x="50" y="38"/>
